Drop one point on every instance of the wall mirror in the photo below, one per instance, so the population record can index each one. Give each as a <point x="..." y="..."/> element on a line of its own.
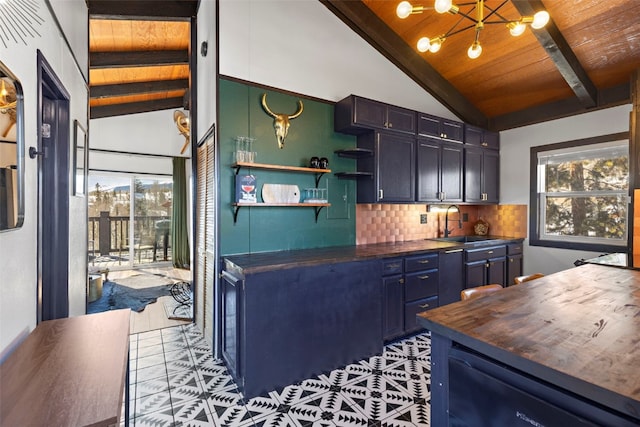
<point x="11" y="150"/>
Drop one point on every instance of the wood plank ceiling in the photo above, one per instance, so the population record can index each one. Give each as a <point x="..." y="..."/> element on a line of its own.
<point x="581" y="61"/>
<point x="138" y="55"/>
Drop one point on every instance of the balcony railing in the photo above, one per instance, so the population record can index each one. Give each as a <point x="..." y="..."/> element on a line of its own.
<point x="110" y="235"/>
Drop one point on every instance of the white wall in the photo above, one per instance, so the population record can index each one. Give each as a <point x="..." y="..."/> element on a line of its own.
<point x="18" y="286"/>
<point x="514" y="171"/>
<point x="146" y="133"/>
<point x="302" y="47"/>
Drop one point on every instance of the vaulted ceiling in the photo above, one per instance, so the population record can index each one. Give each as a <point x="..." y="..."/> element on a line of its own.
<point x="138" y="55"/>
<point x="581" y="61"/>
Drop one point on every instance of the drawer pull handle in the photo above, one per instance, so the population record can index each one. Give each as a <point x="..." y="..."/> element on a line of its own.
<point x="423" y="277"/>
<point x="424" y="261"/>
<point x="390" y="266"/>
<point x="490" y="252"/>
<point x="424" y="306"/>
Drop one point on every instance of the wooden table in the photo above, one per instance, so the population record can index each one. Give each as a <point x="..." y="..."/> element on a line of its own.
<point x="578" y="329"/>
<point x="68" y="372"/>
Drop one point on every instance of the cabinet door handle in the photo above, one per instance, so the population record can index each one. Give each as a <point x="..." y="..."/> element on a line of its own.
<point x="444" y="195"/>
<point x="380" y="194"/>
<point x="424" y="306"/>
<point x="511" y="260"/>
<point x="484" y="144"/>
<point x="423" y="277"/>
<point x="423" y="261"/>
<point x="401" y="281"/>
<point x="489" y="252"/>
<point x="453" y="251"/>
<point x="487" y="265"/>
<point x="392" y="266"/>
<point x="390" y="124"/>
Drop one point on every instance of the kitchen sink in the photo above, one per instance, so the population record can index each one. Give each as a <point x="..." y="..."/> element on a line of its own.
<point x="466" y="239"/>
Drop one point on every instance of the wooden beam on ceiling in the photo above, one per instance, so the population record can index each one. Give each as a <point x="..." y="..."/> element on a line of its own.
<point x="106" y="91"/>
<point x="136" y="107"/>
<point x="607" y="98"/>
<point x="138" y="58"/>
<point x="146" y="9"/>
<point x="373" y="30"/>
<point x="561" y="54"/>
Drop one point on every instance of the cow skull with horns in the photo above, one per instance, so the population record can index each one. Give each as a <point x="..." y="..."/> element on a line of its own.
<point x="281" y="121"/>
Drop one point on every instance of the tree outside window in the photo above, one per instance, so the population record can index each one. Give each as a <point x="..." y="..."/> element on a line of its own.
<point x="581" y="195"/>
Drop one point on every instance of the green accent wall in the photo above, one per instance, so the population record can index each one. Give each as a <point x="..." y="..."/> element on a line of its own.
<point x="261" y="229"/>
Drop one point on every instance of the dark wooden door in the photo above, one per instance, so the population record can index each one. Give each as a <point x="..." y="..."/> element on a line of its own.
<point x="393" y="307"/>
<point x="475" y="274"/>
<point x="491" y="175"/>
<point x="452" y="156"/>
<point x="451" y="276"/>
<point x="428" y="170"/>
<point x="473" y="175"/>
<point x="514" y="268"/>
<point x="401" y="120"/>
<point x="53" y="195"/>
<point x="369" y="113"/>
<point x="496" y="271"/>
<point x="395" y="157"/>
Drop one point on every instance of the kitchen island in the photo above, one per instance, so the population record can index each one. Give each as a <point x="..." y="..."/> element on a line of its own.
<point x="560" y="350"/>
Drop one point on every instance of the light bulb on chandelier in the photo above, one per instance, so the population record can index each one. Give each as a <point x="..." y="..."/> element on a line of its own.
<point x="433" y="45"/>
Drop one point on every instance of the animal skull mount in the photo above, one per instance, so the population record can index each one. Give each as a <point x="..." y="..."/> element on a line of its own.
<point x="182" y="122"/>
<point x="281" y="121"/>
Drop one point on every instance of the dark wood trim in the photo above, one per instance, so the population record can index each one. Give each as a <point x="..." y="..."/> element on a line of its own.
<point x="558" y="49"/>
<point x="135" y="107"/>
<point x="138" y="58"/>
<point x="607" y="98"/>
<point x="122" y="89"/>
<point x="533" y="194"/>
<point x="275" y="89"/>
<point x="373" y="30"/>
<point x="148" y="9"/>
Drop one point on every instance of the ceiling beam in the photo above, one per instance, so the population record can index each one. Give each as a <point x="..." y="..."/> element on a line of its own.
<point x="561" y="54"/>
<point x="372" y="29"/>
<point x="138" y="58"/>
<point x="146" y="9"/>
<point x="136" y="107"/>
<point x="123" y="89"/>
<point x="607" y="98"/>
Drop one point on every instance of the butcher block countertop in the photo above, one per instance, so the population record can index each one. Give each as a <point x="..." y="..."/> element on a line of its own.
<point x="269" y="261"/>
<point x="578" y="329"/>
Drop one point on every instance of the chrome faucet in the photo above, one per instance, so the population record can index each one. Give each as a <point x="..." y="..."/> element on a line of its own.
<point x="446" y="220"/>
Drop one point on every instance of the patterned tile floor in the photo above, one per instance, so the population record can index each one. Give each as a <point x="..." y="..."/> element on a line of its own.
<point x="175" y="381"/>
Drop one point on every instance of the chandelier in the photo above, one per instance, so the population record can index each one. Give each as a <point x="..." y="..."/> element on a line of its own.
<point x="433" y="44"/>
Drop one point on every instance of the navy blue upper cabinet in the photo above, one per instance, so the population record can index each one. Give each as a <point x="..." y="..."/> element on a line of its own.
<point x="355" y="115"/>
<point x="481" y="137"/>
<point x="439" y="171"/>
<point x="438" y="127"/>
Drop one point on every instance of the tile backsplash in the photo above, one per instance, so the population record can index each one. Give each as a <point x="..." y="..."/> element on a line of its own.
<point x="381" y="223"/>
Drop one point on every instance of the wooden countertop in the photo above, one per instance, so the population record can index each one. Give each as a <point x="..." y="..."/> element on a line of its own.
<point x="578" y="329"/>
<point x="67" y="372"/>
<point x="268" y="261"/>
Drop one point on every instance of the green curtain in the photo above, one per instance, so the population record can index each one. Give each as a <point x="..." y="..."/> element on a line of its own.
<point x="179" y="235"/>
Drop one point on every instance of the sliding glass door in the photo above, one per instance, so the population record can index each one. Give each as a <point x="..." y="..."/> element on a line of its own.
<point x="129" y="220"/>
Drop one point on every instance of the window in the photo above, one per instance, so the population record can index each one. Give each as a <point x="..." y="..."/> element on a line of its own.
<point x="579" y="197"/>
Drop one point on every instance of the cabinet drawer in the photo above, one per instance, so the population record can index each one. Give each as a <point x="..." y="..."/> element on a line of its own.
<point x="392" y="266"/>
<point x="514" y="248"/>
<point x="413" y="308"/>
<point x="486" y="253"/>
<point x="421" y="285"/>
<point x="421" y="262"/>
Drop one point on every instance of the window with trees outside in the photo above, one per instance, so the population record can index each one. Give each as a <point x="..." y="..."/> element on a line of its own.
<point x="580" y="194"/>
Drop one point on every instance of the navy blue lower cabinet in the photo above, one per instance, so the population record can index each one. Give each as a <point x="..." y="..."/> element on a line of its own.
<point x="298" y="323"/>
<point x="451" y="281"/>
<point x="393" y="309"/>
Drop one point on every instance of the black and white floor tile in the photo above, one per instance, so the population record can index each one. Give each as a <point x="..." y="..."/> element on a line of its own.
<point x="175" y="381"/>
